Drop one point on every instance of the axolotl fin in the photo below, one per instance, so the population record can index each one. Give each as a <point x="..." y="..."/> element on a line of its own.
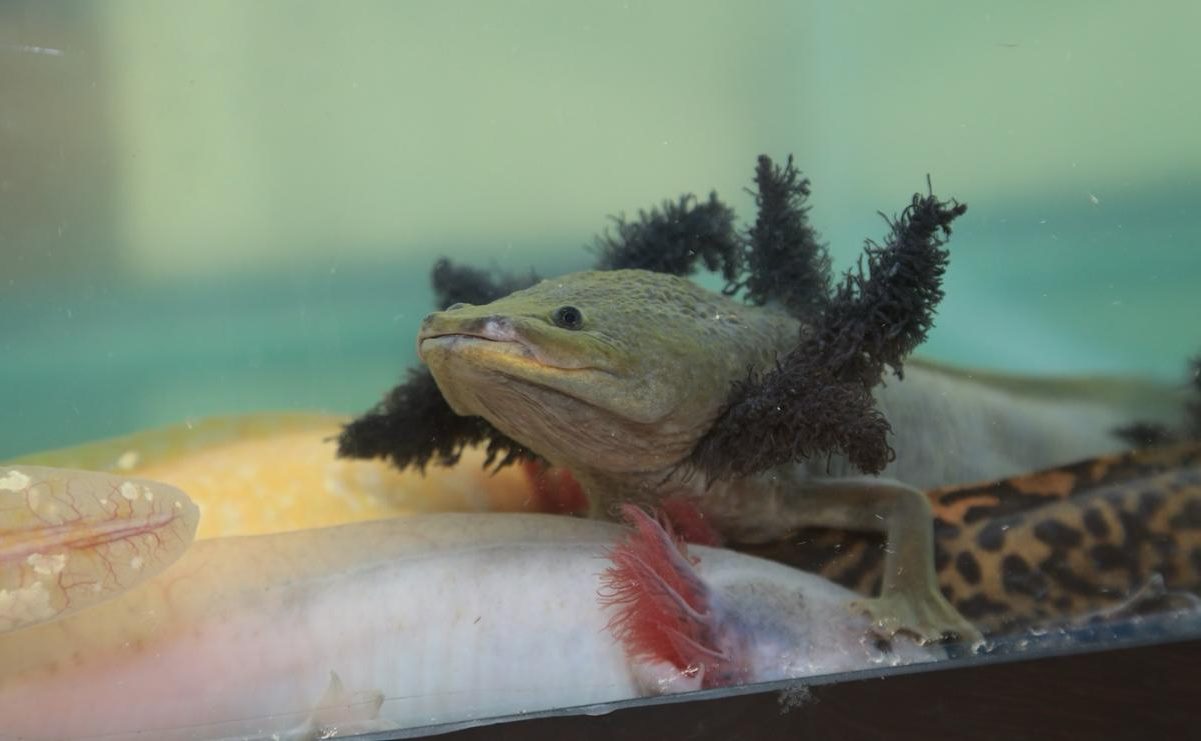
<point x="339" y="712"/>
<point x="71" y="539"/>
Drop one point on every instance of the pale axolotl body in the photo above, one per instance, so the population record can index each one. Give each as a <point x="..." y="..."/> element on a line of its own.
<point x="616" y="375"/>
<point x="393" y="624"/>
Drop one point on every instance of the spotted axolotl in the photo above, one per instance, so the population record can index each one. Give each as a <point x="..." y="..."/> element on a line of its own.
<point x="1047" y="547"/>
<point x="616" y="375"/>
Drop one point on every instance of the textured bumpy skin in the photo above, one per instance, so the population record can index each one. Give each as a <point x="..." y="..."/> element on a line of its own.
<point x="622" y="398"/>
<point x="616" y="376"/>
<point x="635" y="386"/>
<point x="1045" y="547"/>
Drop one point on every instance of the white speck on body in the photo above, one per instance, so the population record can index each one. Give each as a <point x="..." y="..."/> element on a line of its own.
<point x="149" y="495"/>
<point x="128" y="460"/>
<point x="14" y="481"/>
<point x="129" y="490"/>
<point x="135" y="563"/>
<point x="44" y="565"/>
<point x="25" y="605"/>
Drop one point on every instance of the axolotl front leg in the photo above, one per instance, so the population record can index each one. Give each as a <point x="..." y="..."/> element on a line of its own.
<point x="774" y="506"/>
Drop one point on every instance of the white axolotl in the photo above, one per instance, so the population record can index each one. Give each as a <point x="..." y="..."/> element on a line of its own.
<point x="400" y="623"/>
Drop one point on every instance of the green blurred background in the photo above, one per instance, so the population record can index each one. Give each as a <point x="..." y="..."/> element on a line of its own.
<point x="215" y="207"/>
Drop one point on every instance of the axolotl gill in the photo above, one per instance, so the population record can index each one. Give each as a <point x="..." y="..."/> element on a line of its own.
<point x="616" y="375"/>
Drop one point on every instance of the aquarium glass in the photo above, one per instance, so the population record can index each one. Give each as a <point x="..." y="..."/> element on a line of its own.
<point x="218" y="222"/>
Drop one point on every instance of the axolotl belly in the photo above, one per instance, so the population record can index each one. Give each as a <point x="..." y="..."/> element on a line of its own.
<point x="421" y="620"/>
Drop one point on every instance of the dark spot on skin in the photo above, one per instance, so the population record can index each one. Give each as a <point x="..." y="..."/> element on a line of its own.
<point x="948" y="592"/>
<point x="980" y="606"/>
<point x="1058" y="535"/>
<point x="883" y="645"/>
<point x="1057" y="568"/>
<point x="968" y="568"/>
<point x="991" y="537"/>
<point x="941" y="558"/>
<point x="869" y="560"/>
<point x="1138" y="534"/>
<point x="944" y="530"/>
<point x="1018" y="578"/>
<point x="1188" y="518"/>
<point x="1109" y="557"/>
<point x="1148" y="502"/>
<point x="978" y="512"/>
<point x="1165" y="545"/>
<point x="1094" y="522"/>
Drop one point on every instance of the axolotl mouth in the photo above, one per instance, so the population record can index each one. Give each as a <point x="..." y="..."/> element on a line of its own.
<point x="491" y="340"/>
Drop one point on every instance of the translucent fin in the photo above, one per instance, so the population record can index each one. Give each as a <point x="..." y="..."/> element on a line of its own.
<point x="71" y="539"/>
<point x="340" y="713"/>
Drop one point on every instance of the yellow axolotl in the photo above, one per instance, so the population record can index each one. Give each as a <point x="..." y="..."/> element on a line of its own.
<point x="616" y="376"/>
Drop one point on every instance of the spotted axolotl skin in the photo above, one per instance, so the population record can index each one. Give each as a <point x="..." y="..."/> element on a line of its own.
<point x="1048" y="547"/>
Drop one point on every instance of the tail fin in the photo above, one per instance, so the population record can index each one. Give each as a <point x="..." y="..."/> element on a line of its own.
<point x="665" y="613"/>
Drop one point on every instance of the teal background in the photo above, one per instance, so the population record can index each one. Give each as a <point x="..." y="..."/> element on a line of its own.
<point x="228" y="207"/>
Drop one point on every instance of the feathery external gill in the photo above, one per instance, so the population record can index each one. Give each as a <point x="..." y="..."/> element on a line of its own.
<point x="818" y="399"/>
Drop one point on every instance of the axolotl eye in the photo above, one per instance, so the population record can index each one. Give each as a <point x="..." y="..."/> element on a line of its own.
<point x="567" y="317"/>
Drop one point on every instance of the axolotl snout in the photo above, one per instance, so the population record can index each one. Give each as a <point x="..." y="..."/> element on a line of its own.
<point x="616" y="375"/>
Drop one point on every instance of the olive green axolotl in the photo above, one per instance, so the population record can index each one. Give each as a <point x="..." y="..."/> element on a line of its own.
<point x="615" y="375"/>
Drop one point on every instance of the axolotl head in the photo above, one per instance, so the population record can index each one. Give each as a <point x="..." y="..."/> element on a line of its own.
<point x="616" y="370"/>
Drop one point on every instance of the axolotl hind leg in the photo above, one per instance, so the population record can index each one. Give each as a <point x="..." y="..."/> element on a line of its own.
<point x="910" y="600"/>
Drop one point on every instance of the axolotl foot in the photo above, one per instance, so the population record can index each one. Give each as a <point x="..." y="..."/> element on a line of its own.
<point x="928" y="616"/>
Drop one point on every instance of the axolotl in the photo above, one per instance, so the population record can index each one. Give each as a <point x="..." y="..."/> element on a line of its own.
<point x="389" y="624"/>
<point x="616" y="376"/>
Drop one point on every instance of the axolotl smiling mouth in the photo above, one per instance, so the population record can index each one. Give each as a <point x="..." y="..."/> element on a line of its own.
<point x="492" y="337"/>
